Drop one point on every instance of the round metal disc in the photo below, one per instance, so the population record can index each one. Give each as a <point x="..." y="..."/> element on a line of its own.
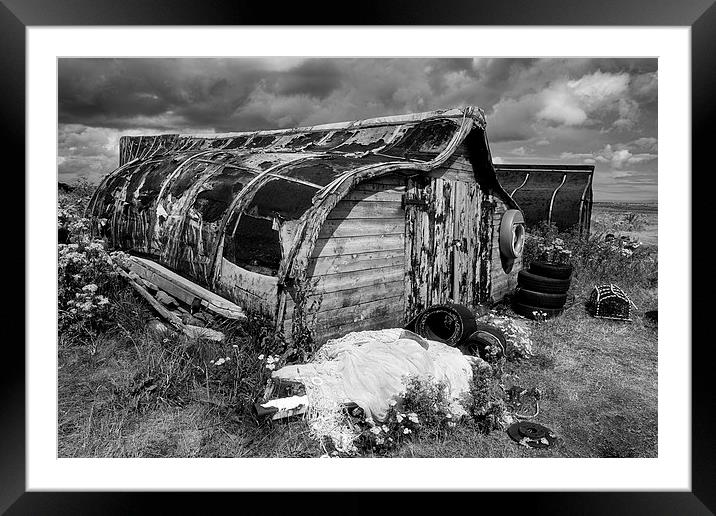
<point x="531" y="434"/>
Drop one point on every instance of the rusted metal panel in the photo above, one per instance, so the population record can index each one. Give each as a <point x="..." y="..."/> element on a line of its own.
<point x="566" y="189"/>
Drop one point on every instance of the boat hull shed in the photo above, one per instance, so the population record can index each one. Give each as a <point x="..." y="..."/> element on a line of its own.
<point x="255" y="216"/>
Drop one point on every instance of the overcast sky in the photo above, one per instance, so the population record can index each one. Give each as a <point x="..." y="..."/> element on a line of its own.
<point x="598" y="111"/>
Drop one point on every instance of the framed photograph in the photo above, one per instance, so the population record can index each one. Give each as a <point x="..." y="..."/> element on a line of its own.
<point x="428" y="240"/>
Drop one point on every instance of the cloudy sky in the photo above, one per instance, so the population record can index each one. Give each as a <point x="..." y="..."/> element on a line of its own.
<point x="598" y="111"/>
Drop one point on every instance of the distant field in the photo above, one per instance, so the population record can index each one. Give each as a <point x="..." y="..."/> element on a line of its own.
<point x="639" y="220"/>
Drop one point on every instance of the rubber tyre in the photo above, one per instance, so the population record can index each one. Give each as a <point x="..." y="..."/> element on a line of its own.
<point x="485" y="337"/>
<point x="512" y="234"/>
<point x="551" y="270"/>
<point x="431" y="323"/>
<point x="535" y="283"/>
<point x="541" y="299"/>
<point x="527" y="310"/>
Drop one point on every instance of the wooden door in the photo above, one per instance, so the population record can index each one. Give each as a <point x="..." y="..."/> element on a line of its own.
<point x="441" y="243"/>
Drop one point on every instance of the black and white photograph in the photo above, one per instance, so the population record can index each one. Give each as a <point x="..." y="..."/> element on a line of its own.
<point x="379" y="257"/>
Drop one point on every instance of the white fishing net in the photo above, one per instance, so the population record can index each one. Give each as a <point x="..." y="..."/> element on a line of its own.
<point x="368" y="368"/>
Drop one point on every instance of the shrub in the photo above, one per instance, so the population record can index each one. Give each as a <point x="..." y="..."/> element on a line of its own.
<point x="85" y="273"/>
<point x="86" y="277"/>
<point x="485" y="402"/>
<point x="605" y="259"/>
<point x="424" y="410"/>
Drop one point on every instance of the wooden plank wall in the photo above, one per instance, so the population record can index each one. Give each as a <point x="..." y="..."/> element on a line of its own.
<point x="357" y="268"/>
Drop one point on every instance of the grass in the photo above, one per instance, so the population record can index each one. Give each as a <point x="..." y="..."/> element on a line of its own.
<point x="136" y="391"/>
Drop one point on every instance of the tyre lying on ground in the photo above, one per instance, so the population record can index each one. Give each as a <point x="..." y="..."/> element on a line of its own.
<point x="488" y="342"/>
<point x="449" y="323"/>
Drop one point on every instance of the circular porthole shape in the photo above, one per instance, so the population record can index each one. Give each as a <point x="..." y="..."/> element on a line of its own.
<point x="512" y="234"/>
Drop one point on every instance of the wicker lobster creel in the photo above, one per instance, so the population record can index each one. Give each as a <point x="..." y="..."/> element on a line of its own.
<point x="609" y="302"/>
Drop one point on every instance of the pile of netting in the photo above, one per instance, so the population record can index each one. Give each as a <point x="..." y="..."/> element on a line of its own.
<point x="368" y="369"/>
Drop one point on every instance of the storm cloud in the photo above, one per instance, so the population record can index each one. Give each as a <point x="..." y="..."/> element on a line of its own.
<point x="600" y="111"/>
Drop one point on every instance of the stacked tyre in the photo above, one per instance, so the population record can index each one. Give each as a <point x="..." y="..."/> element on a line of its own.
<point x="542" y="290"/>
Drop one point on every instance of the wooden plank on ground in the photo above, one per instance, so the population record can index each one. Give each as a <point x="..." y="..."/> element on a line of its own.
<point x="184" y="289"/>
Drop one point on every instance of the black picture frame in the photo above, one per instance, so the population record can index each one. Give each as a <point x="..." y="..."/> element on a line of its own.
<point x="16" y="15"/>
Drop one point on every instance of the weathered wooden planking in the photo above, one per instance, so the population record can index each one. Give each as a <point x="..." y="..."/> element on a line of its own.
<point x="368" y="315"/>
<point x="346" y="298"/>
<point x="429" y="259"/>
<point x="390" y="195"/>
<point x="355" y="262"/>
<point x="362" y="227"/>
<point x="359" y="313"/>
<point x="487" y="229"/>
<point x="366" y="210"/>
<point x="418" y="259"/>
<point x="357" y="259"/>
<point x="466" y="237"/>
<point x="355" y="296"/>
<point x="358" y="279"/>
<point x="359" y="244"/>
<point x="257" y="293"/>
<point x="396" y="187"/>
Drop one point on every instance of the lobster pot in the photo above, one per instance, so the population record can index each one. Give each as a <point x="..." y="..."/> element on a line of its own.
<point x="609" y="302"/>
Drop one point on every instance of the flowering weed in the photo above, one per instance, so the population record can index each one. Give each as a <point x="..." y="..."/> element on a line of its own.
<point x="423" y="411"/>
